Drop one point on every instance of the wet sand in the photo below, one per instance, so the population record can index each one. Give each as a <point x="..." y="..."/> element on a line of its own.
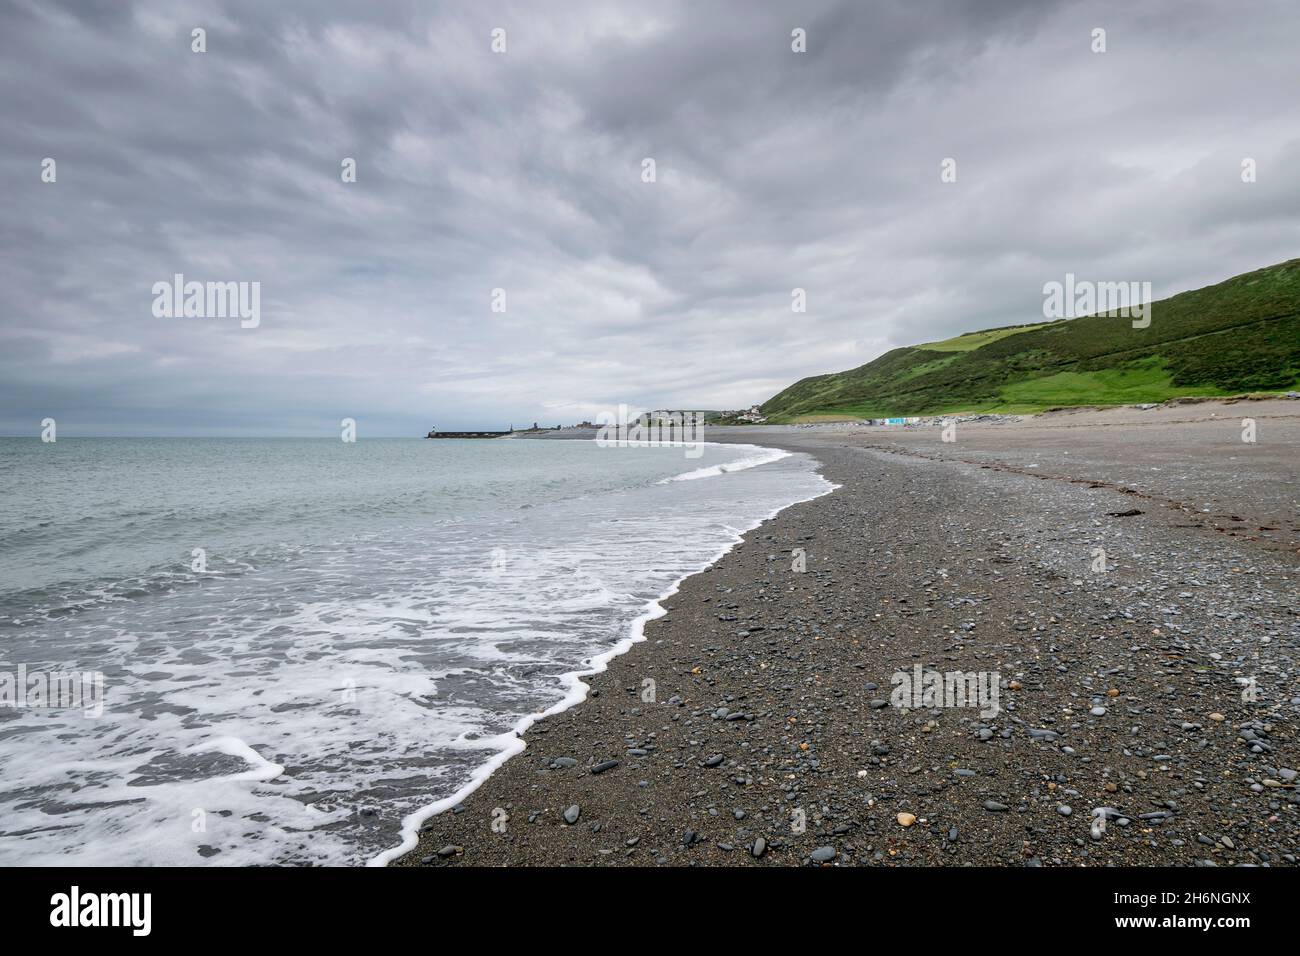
<point x="1159" y="694"/>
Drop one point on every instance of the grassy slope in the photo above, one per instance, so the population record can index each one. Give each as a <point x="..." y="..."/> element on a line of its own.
<point x="973" y="340"/>
<point x="1241" y="335"/>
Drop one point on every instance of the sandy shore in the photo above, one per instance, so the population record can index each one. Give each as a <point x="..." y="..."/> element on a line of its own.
<point x="1159" y="694"/>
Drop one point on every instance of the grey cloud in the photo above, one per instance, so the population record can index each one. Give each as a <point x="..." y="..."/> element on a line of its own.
<point x="521" y="171"/>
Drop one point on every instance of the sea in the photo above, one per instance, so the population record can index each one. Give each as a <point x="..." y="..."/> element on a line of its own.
<point x="305" y="647"/>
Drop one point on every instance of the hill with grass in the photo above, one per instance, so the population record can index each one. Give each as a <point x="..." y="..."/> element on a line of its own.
<point x="1236" y="337"/>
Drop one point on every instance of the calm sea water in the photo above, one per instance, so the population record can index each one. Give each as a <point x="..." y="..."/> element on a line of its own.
<point x="373" y="622"/>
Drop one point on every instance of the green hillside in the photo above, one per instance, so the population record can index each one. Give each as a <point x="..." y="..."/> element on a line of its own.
<point x="1242" y="335"/>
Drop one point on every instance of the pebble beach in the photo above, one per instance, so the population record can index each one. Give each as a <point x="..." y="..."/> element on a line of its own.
<point x="1126" y="578"/>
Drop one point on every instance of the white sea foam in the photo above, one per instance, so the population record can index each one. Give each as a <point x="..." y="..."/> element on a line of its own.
<point x="764" y="456"/>
<point x="261" y="768"/>
<point x="361" y="666"/>
<point x="576" y="689"/>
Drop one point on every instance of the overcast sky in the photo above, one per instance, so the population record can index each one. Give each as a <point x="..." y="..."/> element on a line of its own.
<point x="522" y="171"/>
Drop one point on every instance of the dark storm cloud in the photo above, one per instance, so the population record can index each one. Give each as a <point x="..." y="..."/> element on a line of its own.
<point x="522" y="171"/>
